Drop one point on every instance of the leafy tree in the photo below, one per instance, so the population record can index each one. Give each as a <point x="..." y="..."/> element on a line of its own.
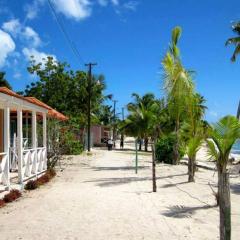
<point x="235" y="40"/>
<point x="3" y="81"/>
<point x="223" y="135"/>
<point x="193" y="131"/>
<point x="65" y="90"/>
<point x="142" y="104"/>
<point x="178" y="86"/>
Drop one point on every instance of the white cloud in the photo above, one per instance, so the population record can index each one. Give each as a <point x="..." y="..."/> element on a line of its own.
<point x="131" y="5"/>
<point x="76" y="9"/>
<point x="17" y="29"/>
<point x="13" y="26"/>
<point x="7" y="46"/>
<point x="115" y="2"/>
<point x="103" y="2"/>
<point x="38" y="56"/>
<point x="17" y="75"/>
<point x="33" y="9"/>
<point x="31" y="36"/>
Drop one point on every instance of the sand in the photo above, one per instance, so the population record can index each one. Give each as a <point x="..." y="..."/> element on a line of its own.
<point x="100" y="197"/>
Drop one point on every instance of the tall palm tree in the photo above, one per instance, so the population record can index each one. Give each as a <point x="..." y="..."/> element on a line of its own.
<point x="178" y="85"/>
<point x="223" y="135"/>
<point x="235" y="40"/>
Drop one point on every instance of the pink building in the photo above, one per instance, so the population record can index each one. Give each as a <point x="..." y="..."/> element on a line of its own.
<point x="100" y="134"/>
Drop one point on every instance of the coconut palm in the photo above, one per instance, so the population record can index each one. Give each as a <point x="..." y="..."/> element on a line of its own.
<point x="223" y="135"/>
<point x="192" y="131"/>
<point x="235" y="40"/>
<point x="178" y="86"/>
<point x="139" y="104"/>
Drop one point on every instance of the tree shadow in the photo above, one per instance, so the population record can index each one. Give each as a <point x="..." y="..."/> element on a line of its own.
<point x="180" y="211"/>
<point x="235" y="188"/>
<point x="109" y="182"/>
<point x="125" y="168"/>
<point x="174" y="184"/>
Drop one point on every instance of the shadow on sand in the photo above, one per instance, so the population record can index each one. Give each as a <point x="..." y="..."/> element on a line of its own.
<point x="180" y="211"/>
<point x="109" y="182"/>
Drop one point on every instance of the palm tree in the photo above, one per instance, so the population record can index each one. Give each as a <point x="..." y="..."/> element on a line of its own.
<point x="223" y="135"/>
<point x="141" y="103"/>
<point x="177" y="84"/>
<point x="193" y="131"/>
<point x="235" y="40"/>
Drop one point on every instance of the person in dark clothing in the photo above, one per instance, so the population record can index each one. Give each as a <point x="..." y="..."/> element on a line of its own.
<point x="121" y="142"/>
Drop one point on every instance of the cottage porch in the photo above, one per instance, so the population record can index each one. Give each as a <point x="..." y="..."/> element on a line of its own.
<point x="20" y="161"/>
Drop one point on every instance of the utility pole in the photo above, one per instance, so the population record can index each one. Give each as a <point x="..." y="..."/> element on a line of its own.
<point x="89" y="65"/>
<point x="114" y="124"/>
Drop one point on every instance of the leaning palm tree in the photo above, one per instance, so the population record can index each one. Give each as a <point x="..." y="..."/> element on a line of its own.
<point x="235" y="40"/>
<point x="178" y="86"/>
<point x="223" y="135"/>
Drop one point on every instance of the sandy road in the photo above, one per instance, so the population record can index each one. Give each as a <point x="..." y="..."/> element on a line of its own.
<point x="100" y="197"/>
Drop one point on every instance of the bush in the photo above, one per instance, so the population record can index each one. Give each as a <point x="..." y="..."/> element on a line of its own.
<point x="51" y="172"/>
<point x="43" y="179"/>
<point x="71" y="145"/>
<point x="12" y="196"/>
<point x="31" y="185"/>
<point x="164" y="149"/>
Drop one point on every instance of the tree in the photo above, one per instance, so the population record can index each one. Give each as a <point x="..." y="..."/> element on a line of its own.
<point x="193" y="131"/>
<point x="235" y="40"/>
<point x="178" y="86"/>
<point x="3" y="81"/>
<point x="139" y="104"/>
<point x="66" y="90"/>
<point x="223" y="135"/>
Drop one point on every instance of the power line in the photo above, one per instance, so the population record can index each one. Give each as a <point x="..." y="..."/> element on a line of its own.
<point x="62" y="28"/>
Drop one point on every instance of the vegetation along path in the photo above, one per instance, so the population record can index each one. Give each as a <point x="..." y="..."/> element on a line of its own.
<point x="101" y="197"/>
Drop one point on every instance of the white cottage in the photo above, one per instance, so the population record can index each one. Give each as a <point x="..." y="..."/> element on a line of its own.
<point x="16" y="159"/>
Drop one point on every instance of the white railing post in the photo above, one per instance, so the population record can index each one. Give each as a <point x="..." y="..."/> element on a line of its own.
<point x="20" y="147"/>
<point x="7" y="145"/>
<point x="44" y="152"/>
<point x="34" y="141"/>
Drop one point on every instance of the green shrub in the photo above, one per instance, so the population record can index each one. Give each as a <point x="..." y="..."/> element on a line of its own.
<point x="164" y="149"/>
<point x="71" y="145"/>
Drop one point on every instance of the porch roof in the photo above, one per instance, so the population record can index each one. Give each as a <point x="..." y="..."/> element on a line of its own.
<point x="50" y="111"/>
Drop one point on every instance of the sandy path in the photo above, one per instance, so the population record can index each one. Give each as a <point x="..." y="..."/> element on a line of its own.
<point x="100" y="197"/>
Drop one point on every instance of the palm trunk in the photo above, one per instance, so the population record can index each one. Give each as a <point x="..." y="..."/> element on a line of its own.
<point x="224" y="205"/>
<point x="146" y="144"/>
<point x="176" y="145"/>
<point x="154" y="167"/>
<point x="191" y="168"/>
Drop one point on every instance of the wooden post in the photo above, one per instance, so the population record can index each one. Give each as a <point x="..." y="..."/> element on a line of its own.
<point x="136" y="160"/>
<point x="7" y="145"/>
<point x="20" y="146"/>
<point x="34" y="130"/>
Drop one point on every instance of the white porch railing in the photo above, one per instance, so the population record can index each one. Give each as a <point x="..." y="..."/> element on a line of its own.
<point x="4" y="168"/>
<point x="34" y="161"/>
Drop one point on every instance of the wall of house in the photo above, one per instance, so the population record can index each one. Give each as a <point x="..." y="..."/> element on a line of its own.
<point x="1" y="130"/>
<point x="96" y="132"/>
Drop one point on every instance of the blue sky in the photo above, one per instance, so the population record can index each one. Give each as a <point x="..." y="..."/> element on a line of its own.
<point x="128" y="40"/>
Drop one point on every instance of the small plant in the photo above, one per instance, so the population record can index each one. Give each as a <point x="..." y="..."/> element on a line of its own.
<point x="2" y="203"/>
<point x="51" y="172"/>
<point x="12" y="196"/>
<point x="31" y="185"/>
<point x="43" y="179"/>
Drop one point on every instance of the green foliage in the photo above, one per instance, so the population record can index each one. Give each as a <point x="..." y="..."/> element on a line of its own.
<point x="165" y="149"/>
<point x="223" y="135"/>
<point x="64" y="89"/>
<point x="70" y="144"/>
<point x="3" y="81"/>
<point x="235" y="41"/>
